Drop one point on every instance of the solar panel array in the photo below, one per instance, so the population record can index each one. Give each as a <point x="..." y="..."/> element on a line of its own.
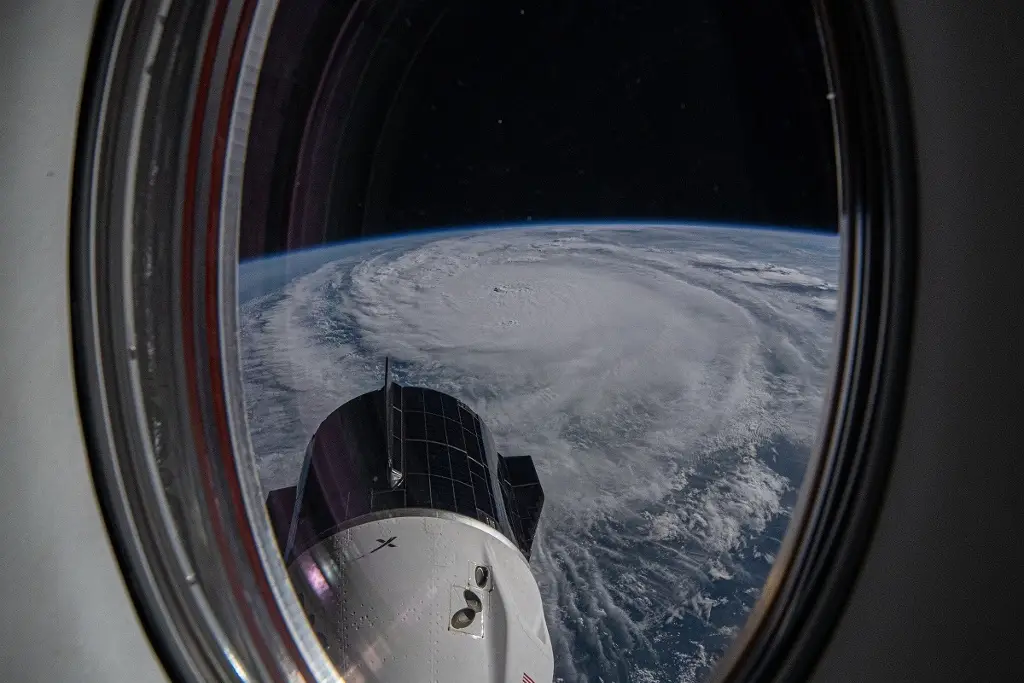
<point x="523" y="496"/>
<point x="439" y="443"/>
<point x="405" y="447"/>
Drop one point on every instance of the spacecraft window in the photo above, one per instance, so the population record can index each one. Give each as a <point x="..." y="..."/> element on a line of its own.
<point x="621" y="262"/>
<point x="557" y="327"/>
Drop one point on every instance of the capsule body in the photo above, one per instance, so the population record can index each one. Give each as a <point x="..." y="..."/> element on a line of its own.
<point x="407" y="538"/>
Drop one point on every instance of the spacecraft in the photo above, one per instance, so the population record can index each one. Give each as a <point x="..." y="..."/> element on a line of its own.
<point x="407" y="539"/>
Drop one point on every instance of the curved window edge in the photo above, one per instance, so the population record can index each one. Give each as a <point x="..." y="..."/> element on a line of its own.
<point x="831" y="529"/>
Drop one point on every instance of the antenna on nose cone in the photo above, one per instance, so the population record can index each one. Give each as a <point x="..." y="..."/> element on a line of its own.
<point x="395" y="470"/>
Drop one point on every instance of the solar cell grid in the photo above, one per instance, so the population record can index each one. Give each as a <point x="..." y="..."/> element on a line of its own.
<point x="442" y="451"/>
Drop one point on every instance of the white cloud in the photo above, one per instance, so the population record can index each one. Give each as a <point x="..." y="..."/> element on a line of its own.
<point x="641" y="373"/>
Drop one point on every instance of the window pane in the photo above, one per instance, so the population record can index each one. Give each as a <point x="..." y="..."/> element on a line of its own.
<point x="601" y="235"/>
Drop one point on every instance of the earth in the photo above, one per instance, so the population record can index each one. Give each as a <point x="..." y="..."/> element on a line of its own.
<point x="666" y="379"/>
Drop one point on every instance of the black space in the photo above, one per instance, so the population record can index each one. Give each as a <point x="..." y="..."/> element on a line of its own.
<point x="606" y="109"/>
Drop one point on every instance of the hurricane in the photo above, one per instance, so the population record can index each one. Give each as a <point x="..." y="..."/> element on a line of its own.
<point x="668" y="381"/>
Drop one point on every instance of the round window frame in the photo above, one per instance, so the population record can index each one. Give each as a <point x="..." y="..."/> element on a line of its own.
<point x="157" y="365"/>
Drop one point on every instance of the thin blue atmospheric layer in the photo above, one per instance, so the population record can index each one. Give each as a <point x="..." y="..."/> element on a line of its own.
<point x="301" y="261"/>
<point x="666" y="380"/>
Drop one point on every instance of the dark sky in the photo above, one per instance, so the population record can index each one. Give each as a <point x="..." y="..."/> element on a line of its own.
<point x="458" y="112"/>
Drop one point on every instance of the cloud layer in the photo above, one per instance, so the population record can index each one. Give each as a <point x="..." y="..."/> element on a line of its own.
<point x="666" y="380"/>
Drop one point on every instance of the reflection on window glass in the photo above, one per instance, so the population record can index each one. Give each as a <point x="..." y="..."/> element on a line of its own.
<point x="536" y="309"/>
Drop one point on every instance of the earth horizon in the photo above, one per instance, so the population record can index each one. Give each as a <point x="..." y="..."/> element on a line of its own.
<point x="667" y="380"/>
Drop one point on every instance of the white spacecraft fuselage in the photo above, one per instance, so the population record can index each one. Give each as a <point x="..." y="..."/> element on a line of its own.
<point x="388" y="589"/>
